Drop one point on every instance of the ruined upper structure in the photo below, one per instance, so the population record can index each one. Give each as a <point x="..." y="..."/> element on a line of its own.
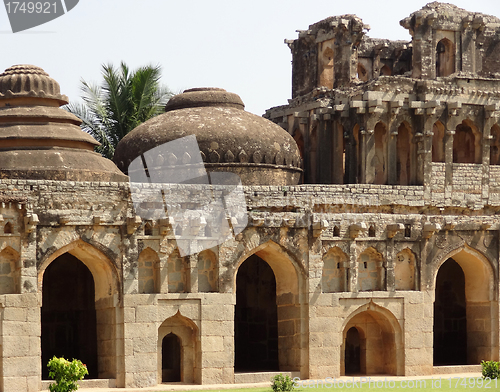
<point x="40" y="141"/>
<point x="230" y="139"/>
<point x="377" y="111"/>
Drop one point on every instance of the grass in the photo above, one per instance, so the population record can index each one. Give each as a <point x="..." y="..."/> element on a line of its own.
<point x="469" y="384"/>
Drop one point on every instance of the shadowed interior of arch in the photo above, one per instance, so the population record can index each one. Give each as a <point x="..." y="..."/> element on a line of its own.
<point x="69" y="326"/>
<point x="171" y="358"/>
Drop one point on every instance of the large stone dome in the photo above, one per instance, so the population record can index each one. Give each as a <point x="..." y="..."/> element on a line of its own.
<point x="38" y="140"/>
<point x="230" y="139"/>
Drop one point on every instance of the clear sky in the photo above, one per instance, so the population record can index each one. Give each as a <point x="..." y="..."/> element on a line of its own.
<point x="233" y="44"/>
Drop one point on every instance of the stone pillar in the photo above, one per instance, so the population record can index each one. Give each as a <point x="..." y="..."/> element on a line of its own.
<point x="390" y="278"/>
<point x="193" y="272"/>
<point x="352" y="272"/>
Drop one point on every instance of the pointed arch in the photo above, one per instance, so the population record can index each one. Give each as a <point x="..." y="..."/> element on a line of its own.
<point x="334" y="277"/>
<point x="370" y="270"/>
<point x="8" y="228"/>
<point x="467" y="143"/>
<point x="381" y="340"/>
<point x="9" y="271"/>
<point x="405" y="270"/>
<point x="445" y="58"/>
<point x="188" y="334"/>
<point x="149" y="272"/>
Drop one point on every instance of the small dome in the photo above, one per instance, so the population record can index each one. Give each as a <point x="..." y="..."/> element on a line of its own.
<point x="230" y="139"/>
<point x="38" y="140"/>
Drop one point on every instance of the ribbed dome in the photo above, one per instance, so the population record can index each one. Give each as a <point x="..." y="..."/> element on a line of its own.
<point x="230" y="139"/>
<point x="38" y="140"/>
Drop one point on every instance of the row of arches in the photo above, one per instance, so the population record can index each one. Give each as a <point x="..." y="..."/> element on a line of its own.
<point x="388" y="157"/>
<point x="268" y="316"/>
<point x="370" y="271"/>
<point x="177" y="272"/>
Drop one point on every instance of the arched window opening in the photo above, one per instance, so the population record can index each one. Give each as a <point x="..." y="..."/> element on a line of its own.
<point x="370" y="271"/>
<point x="334" y="277"/>
<point x="352" y="352"/>
<point x="336" y="231"/>
<point x="171" y="358"/>
<point x="405" y="156"/>
<point x="148" y="228"/>
<point x="7" y="229"/>
<point x="385" y="71"/>
<point x="362" y="73"/>
<point x="467" y="144"/>
<point x="495" y="145"/>
<point x="438" y="142"/>
<point x="207" y="272"/>
<point x="379" y="162"/>
<point x="450" y="316"/>
<point x="256" y="317"/>
<point x="371" y="231"/>
<point x="445" y="58"/>
<point x="69" y="327"/>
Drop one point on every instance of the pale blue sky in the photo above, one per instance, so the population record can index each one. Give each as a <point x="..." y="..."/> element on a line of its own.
<point x="236" y="45"/>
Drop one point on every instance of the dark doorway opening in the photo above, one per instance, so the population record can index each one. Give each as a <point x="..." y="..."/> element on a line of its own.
<point x="171" y="358"/>
<point x="352" y="352"/>
<point x="256" y="317"/>
<point x="68" y="314"/>
<point x="450" y="318"/>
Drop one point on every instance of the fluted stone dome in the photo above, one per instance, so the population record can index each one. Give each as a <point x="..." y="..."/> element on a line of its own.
<point x="38" y="140"/>
<point x="229" y="138"/>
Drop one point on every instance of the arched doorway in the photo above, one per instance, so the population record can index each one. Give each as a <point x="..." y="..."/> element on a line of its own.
<point x="69" y="327"/>
<point x="171" y="358"/>
<point x="352" y="352"/>
<point x="445" y="58"/>
<point x="450" y="316"/>
<point x="256" y="317"/>
<point x="465" y="309"/>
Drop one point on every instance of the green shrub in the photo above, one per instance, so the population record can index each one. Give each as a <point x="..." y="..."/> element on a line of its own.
<point x="65" y="374"/>
<point x="281" y="383"/>
<point x="490" y="369"/>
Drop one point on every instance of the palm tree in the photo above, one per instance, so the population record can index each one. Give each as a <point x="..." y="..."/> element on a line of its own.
<point x="123" y="101"/>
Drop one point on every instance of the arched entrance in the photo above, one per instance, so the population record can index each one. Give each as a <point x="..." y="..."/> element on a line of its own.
<point x="352" y="352"/>
<point x="276" y="279"/>
<point x="372" y="343"/>
<point x="256" y="317"/>
<point x="171" y="358"/>
<point x="450" y="320"/>
<point x="69" y="314"/>
<point x="464" y="309"/>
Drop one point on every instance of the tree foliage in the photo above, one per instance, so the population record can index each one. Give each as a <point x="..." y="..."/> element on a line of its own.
<point x="124" y="100"/>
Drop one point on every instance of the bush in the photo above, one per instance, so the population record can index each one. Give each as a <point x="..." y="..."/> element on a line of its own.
<point x="65" y="374"/>
<point x="281" y="383"/>
<point x="490" y="369"/>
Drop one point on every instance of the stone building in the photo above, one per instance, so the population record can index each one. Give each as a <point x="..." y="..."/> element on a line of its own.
<point x="381" y="259"/>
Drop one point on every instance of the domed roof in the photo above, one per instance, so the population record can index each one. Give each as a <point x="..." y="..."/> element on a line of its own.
<point x="38" y="140"/>
<point x="229" y="138"/>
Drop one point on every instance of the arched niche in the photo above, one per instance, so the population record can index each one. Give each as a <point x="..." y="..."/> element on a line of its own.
<point x="406" y="155"/>
<point x="9" y="271"/>
<point x="207" y="272"/>
<point x="467" y="143"/>
<point x="438" y="142"/>
<point x="370" y="270"/>
<point x="379" y="161"/>
<point x="405" y="270"/>
<point x="445" y="58"/>
<point x="178" y="273"/>
<point x="334" y="274"/>
<point x="381" y="347"/>
<point x="149" y="272"/>
<point x="187" y="332"/>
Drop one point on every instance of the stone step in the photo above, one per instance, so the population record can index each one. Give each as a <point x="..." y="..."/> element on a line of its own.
<point x="91" y="383"/>
<point x="245" y="378"/>
<point x="456" y="369"/>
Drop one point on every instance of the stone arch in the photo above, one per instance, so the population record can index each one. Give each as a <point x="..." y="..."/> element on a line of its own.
<point x="334" y="276"/>
<point x="178" y="273"/>
<point x="289" y="280"/>
<point x="445" y="58"/>
<point x="188" y="334"/>
<point x="438" y="142"/>
<point x="103" y="270"/>
<point x="149" y="272"/>
<point x="385" y="71"/>
<point x="467" y="143"/>
<point x="207" y="272"/>
<point x="495" y="145"/>
<point x="405" y="270"/>
<point x="370" y="270"/>
<point x="362" y="73"/>
<point x="381" y="340"/>
<point x="481" y="304"/>
<point x="106" y="288"/>
<point x="406" y="155"/>
<point x="379" y="160"/>
<point x="8" y="228"/>
<point x="10" y="278"/>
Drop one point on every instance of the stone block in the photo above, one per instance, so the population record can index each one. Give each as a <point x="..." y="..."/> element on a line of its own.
<point x="217" y="312"/>
<point x="212" y="376"/>
<point x="145" y="314"/>
<point x="212" y="343"/>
